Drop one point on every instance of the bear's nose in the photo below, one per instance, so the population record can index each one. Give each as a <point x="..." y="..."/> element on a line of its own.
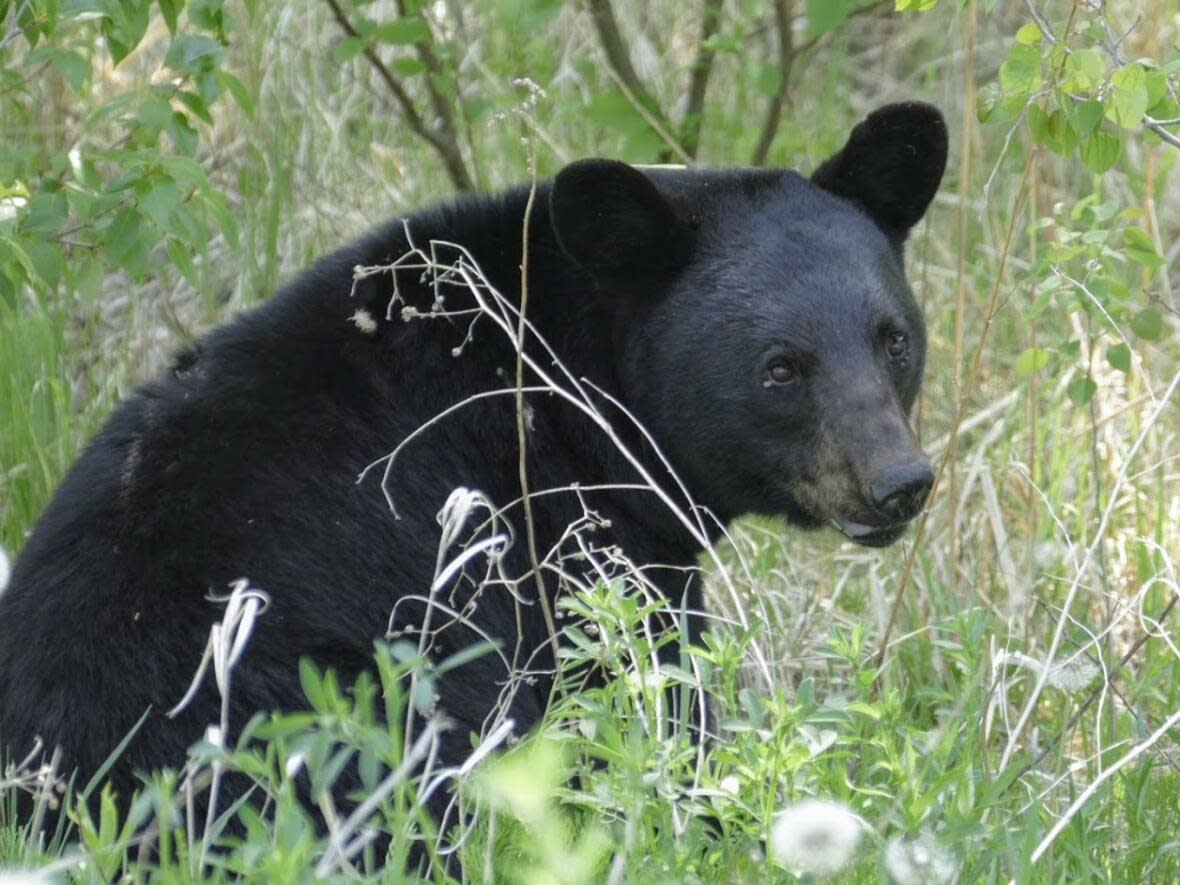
<point x="900" y="491"/>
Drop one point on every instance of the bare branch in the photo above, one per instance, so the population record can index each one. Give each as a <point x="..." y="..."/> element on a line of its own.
<point x="657" y="123"/>
<point x="702" y="69"/>
<point x="1113" y="46"/>
<point x="1061" y="738"/>
<point x="447" y="148"/>
<point x="1041" y="22"/>
<point x="442" y="108"/>
<point x="784" y="14"/>
<point x="618" y="59"/>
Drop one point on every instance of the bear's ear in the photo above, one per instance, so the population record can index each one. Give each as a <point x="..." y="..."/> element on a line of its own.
<point x="611" y="219"/>
<point x="891" y="165"/>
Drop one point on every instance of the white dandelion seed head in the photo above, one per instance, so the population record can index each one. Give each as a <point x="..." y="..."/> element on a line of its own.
<point x="918" y="861"/>
<point x="1072" y="674"/>
<point x="730" y="784"/>
<point x="815" y="836"/>
<point x="27" y="877"/>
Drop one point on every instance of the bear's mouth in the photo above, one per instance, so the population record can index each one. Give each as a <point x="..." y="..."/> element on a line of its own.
<point x="867" y="535"/>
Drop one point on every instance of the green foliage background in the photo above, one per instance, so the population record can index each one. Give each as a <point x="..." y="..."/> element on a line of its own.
<point x="164" y="164"/>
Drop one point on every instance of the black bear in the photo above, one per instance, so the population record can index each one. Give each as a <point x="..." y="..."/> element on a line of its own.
<point x="747" y="337"/>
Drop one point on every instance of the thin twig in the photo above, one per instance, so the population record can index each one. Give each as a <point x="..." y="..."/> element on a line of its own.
<point x="658" y="125"/>
<point x="965" y="170"/>
<point x="784" y="15"/>
<point x="618" y="60"/>
<point x="702" y="69"/>
<point x="521" y="418"/>
<point x="1059" y="738"/>
<point x="448" y="150"/>
<point x="788" y="53"/>
<point x="1102" y="778"/>
<point x="442" y="108"/>
<point x="1113" y="46"/>
<point x="1040" y="21"/>
<point x="1113" y="498"/>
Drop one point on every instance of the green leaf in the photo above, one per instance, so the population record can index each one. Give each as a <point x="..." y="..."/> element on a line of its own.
<point x="1128" y="98"/>
<point x="1141" y="249"/>
<point x="128" y="242"/>
<point x="235" y="87"/>
<point x="208" y="15"/>
<point x="124" y="26"/>
<point x="159" y="199"/>
<point x="193" y="53"/>
<point x="184" y="169"/>
<point x="1157" y="89"/>
<point x="86" y="277"/>
<point x="1062" y="138"/>
<point x="196" y="104"/>
<point x="407" y="67"/>
<point x="403" y="32"/>
<point x="349" y="48"/>
<point x="1029" y="35"/>
<point x="1087" y="115"/>
<point x="116" y="754"/>
<point x="45" y="214"/>
<point x="1032" y="361"/>
<point x="48" y="260"/>
<point x="1021" y="73"/>
<point x="1081" y="390"/>
<point x="170" y="10"/>
<point x="827" y="15"/>
<point x="767" y="79"/>
<point x="73" y="67"/>
<point x="154" y="114"/>
<point x="218" y="207"/>
<point x="1119" y="357"/>
<point x="1085" y="71"/>
<point x="988" y="102"/>
<point x="1101" y="151"/>
<point x="614" y="111"/>
<point x="312" y="685"/>
<point x="1038" y="123"/>
<point x="209" y="86"/>
<point x="1148" y="324"/>
<point x="183" y="135"/>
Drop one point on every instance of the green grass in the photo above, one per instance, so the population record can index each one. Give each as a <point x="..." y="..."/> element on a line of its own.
<point x="926" y="744"/>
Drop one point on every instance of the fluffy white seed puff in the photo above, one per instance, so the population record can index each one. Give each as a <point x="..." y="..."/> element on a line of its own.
<point x="918" y="861"/>
<point x="364" y="321"/>
<point x="815" y="837"/>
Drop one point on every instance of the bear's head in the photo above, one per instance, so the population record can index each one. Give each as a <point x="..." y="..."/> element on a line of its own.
<point x="764" y="330"/>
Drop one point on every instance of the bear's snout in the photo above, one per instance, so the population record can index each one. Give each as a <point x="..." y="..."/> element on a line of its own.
<point x="899" y="492"/>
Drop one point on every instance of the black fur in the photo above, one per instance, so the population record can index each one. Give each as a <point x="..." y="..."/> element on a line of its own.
<point x="892" y="165"/>
<point x="673" y="293"/>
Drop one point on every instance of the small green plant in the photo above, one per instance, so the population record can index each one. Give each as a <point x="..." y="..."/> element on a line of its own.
<point x="992" y="701"/>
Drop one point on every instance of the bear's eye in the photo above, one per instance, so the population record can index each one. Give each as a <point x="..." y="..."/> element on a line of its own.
<point x="778" y="373"/>
<point x="898" y="345"/>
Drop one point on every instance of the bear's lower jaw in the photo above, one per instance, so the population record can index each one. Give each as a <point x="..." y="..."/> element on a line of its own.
<point x="867" y="536"/>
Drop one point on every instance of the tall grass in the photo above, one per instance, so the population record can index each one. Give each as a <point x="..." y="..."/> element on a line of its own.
<point x="1000" y="689"/>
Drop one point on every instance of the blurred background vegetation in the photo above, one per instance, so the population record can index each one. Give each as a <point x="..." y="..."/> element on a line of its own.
<point x="1005" y="681"/>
